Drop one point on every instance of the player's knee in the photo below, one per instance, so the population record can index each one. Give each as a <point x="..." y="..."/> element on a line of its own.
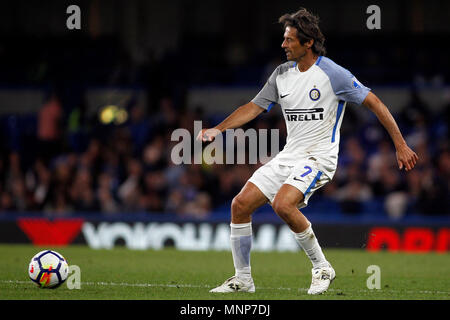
<point x="282" y="208"/>
<point x="239" y="208"/>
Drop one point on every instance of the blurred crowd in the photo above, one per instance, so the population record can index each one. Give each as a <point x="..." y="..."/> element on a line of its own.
<point x="63" y="160"/>
<point x="78" y="165"/>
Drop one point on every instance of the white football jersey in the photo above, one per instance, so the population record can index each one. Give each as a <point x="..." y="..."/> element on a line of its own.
<point x="313" y="104"/>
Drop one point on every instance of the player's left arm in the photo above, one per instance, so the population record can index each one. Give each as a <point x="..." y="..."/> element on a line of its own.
<point x="406" y="158"/>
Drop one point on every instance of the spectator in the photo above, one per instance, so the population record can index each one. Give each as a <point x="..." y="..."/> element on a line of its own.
<point x="49" y="131"/>
<point x="199" y="207"/>
<point x="129" y="191"/>
<point x="356" y="191"/>
<point x="59" y="204"/>
<point x="6" y="202"/>
<point x="139" y="127"/>
<point x="434" y="198"/>
<point x="105" y="194"/>
<point x="81" y="192"/>
<point x="383" y="156"/>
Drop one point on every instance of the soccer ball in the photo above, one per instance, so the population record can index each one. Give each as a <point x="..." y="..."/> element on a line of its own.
<point x="48" y="269"/>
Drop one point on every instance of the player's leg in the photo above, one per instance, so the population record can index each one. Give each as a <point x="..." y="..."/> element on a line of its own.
<point x="243" y="205"/>
<point x="246" y="202"/>
<point x="286" y="204"/>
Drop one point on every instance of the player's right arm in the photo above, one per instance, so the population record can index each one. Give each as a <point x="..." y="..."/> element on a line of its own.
<point x="238" y="118"/>
<point x="264" y="100"/>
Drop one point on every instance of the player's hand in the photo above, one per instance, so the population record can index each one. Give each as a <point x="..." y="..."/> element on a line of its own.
<point x="208" y="134"/>
<point x="406" y="158"/>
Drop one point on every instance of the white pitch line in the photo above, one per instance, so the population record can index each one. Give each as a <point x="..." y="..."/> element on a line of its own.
<point x="124" y="284"/>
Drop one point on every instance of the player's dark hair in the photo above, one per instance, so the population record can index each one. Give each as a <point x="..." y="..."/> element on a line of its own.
<point x="307" y="26"/>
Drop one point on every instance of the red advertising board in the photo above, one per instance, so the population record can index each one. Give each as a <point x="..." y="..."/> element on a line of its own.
<point x="136" y="234"/>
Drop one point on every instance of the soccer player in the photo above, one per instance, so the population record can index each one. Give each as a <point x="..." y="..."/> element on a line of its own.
<point x="312" y="91"/>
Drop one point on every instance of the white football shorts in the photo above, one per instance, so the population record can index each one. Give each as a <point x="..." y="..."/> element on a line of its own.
<point x="308" y="175"/>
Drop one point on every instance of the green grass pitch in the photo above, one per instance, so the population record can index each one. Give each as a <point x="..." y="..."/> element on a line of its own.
<point x="180" y="275"/>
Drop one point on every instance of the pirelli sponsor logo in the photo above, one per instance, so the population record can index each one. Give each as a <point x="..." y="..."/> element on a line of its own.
<point x="304" y="114"/>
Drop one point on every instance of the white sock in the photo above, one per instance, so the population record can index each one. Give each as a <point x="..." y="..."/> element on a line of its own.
<point x="308" y="241"/>
<point x="241" y="244"/>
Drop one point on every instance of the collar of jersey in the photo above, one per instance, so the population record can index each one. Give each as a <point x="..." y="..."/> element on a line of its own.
<point x="297" y="69"/>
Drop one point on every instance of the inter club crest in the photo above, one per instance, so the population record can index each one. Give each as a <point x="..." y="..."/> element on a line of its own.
<point x="314" y="94"/>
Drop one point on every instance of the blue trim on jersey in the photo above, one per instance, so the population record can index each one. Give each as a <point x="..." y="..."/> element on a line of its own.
<point x="342" y="82"/>
<point x="313" y="183"/>
<point x="338" y="115"/>
<point x="318" y="60"/>
<point x="270" y="106"/>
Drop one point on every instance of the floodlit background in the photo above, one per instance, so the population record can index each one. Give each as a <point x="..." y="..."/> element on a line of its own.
<point x="86" y="115"/>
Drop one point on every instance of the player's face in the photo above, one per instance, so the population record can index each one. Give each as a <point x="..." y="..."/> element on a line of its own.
<point x="292" y="46"/>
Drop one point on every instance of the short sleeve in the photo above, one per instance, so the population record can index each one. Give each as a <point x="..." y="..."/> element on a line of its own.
<point x="268" y="96"/>
<point x="344" y="83"/>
